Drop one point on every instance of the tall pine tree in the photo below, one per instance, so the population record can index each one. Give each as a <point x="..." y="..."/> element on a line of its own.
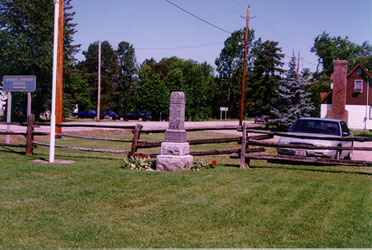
<point x="293" y="101"/>
<point x="264" y="77"/>
<point x="127" y="78"/>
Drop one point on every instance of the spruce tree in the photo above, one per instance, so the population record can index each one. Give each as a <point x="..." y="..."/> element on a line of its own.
<point x="264" y="77"/>
<point x="293" y="101"/>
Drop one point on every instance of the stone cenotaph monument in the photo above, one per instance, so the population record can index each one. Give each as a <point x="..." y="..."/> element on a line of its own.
<point x="174" y="154"/>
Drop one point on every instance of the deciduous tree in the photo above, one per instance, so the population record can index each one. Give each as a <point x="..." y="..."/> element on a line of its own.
<point x="230" y="70"/>
<point x="26" y="47"/>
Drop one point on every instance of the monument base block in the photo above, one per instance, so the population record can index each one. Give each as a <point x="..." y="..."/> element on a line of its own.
<point x="173" y="148"/>
<point x="174" y="163"/>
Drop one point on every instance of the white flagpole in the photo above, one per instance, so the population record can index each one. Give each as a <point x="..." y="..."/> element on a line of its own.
<point x="54" y="84"/>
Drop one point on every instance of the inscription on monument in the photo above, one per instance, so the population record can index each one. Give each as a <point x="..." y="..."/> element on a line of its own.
<point x="176" y="131"/>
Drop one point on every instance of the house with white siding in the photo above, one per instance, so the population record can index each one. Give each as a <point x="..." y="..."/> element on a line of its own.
<point x="350" y="99"/>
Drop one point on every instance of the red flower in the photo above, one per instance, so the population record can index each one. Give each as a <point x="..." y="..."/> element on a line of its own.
<point x="214" y="162"/>
<point x="146" y="156"/>
<point x="140" y="156"/>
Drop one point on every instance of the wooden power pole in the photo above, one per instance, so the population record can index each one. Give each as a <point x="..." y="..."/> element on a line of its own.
<point x="244" y="68"/>
<point x="59" y="84"/>
<point x="99" y="82"/>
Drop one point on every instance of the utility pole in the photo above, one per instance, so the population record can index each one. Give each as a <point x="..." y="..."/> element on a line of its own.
<point x="244" y="67"/>
<point x="59" y="87"/>
<point x="99" y="82"/>
<point x="298" y="63"/>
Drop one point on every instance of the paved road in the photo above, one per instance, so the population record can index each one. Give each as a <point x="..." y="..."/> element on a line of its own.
<point x="146" y="125"/>
<point x="358" y="155"/>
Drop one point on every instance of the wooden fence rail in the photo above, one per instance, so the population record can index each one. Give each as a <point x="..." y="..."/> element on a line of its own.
<point x="300" y="146"/>
<point x="283" y="134"/>
<point x="135" y="142"/>
<point x="245" y="152"/>
<point x="100" y="150"/>
<point x="245" y="157"/>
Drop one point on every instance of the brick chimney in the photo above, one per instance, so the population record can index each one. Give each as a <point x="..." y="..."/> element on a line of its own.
<point x="338" y="110"/>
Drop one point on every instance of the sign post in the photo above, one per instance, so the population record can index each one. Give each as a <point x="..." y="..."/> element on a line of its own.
<point x="223" y="109"/>
<point x="8" y="117"/>
<point x="18" y="84"/>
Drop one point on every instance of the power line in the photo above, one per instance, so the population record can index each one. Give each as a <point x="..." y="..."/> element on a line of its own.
<point x="182" y="47"/>
<point x="215" y="26"/>
<point x="267" y="26"/>
<point x="229" y="8"/>
<point x="272" y="30"/>
<point x="238" y="4"/>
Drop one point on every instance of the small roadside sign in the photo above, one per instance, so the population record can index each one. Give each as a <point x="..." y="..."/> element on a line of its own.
<point x="19" y="83"/>
<point x="223" y="109"/>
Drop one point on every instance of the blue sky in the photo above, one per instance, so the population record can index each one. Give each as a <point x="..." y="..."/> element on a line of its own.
<point x="158" y="29"/>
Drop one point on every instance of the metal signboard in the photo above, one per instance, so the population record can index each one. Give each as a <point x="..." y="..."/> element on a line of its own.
<point x="19" y="83"/>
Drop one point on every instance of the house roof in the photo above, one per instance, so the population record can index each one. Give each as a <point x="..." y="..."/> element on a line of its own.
<point x="324" y="96"/>
<point x="362" y="67"/>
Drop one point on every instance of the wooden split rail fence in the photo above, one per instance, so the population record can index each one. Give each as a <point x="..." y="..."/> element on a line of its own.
<point x="245" y="157"/>
<point x="250" y="145"/>
<point x="136" y="143"/>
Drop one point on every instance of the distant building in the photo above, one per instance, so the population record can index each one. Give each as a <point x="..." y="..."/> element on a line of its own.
<point x="350" y="99"/>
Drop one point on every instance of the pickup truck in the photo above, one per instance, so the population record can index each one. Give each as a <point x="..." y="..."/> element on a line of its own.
<point x="92" y="113"/>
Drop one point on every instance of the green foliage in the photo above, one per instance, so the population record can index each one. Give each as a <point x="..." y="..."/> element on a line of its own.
<point x="152" y="95"/>
<point x="202" y="164"/>
<point x="109" y="73"/>
<point x="26" y="35"/>
<point x="139" y="163"/>
<point x="127" y="79"/>
<point x="230" y="70"/>
<point x="194" y="79"/>
<point x="264" y="78"/>
<point x="262" y="75"/>
<point x="329" y="48"/>
<point x="76" y="89"/>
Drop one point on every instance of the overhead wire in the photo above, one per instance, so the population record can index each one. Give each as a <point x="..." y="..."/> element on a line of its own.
<point x="183" y="47"/>
<point x="273" y="31"/>
<point x="195" y="16"/>
<point x="238" y="4"/>
<point x="229" y="8"/>
<point x="269" y="28"/>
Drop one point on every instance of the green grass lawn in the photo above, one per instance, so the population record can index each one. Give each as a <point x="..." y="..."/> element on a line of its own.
<point x="95" y="203"/>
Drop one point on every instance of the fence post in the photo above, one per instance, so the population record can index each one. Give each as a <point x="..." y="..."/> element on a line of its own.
<point x="136" y="135"/>
<point x="243" y="162"/>
<point x="29" y="136"/>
